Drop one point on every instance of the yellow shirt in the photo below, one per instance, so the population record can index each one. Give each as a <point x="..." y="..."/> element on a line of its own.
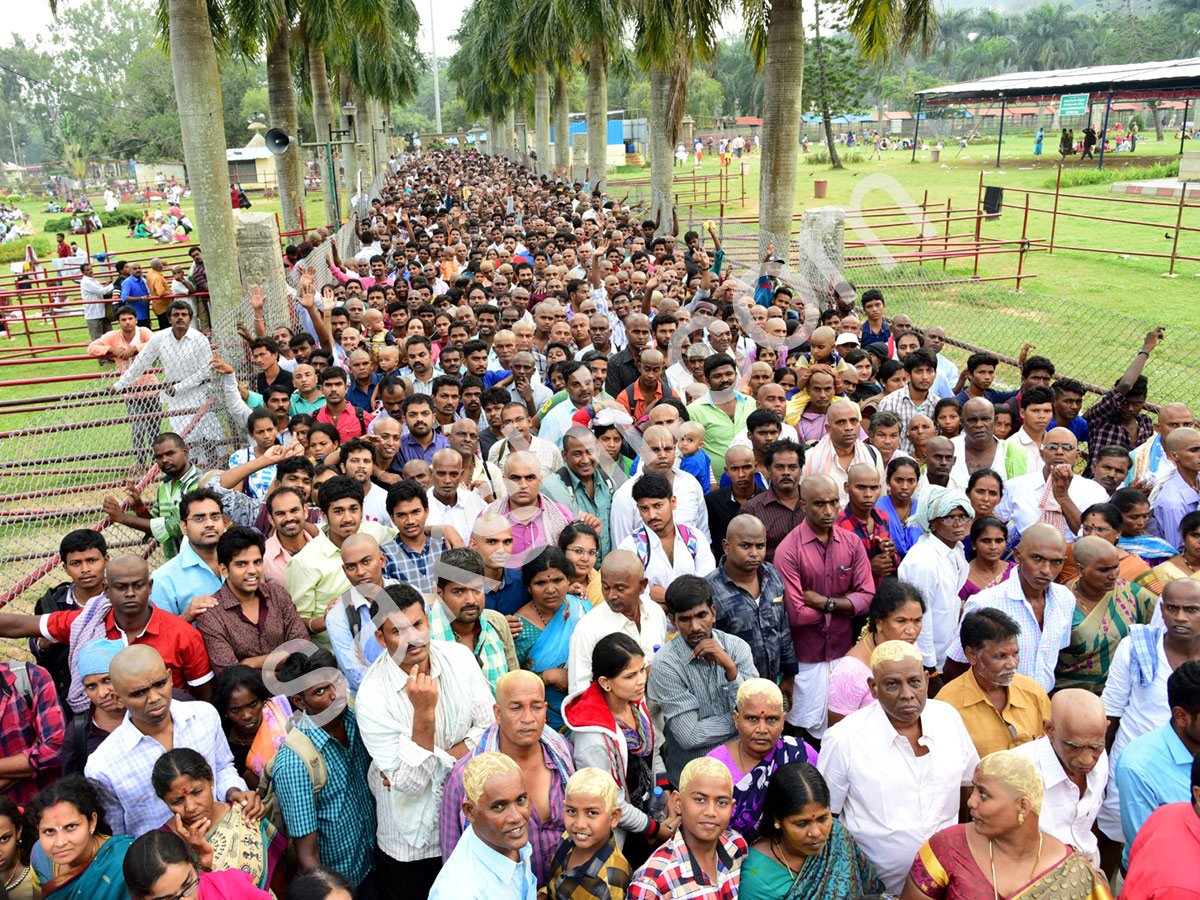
<point x="797" y="404"/>
<point x="991" y="729"/>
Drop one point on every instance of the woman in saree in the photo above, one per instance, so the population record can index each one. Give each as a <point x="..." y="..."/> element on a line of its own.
<point x="804" y="851"/>
<point x="1187" y="563"/>
<point x="581" y="545"/>
<point x="896" y="612"/>
<point x="1104" y="520"/>
<point x="900" y="502"/>
<point x="73" y="859"/>
<point x="547" y="622"/>
<point x="255" y="723"/>
<point x="1106" y="606"/>
<point x="1135" y="517"/>
<point x="988" y="566"/>
<point x="160" y="865"/>
<point x="758" y="751"/>
<point x="1002" y="852"/>
<point x="216" y="833"/>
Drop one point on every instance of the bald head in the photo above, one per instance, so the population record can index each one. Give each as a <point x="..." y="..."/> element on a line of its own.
<point x="126" y="566"/>
<point x="816" y="486"/>
<point x="516" y="682"/>
<point x="979" y="406"/>
<point x="745" y="527"/>
<point x="1076" y="730"/>
<point x="446" y="457"/>
<point x="1182" y="591"/>
<point x="1058" y="435"/>
<point x="1075" y="708"/>
<point x="1042" y="533"/>
<point x="739" y="455"/>
<point x="358" y="543"/>
<point x="419" y="471"/>
<point x="1181" y="439"/>
<point x="623" y="562"/>
<point x="134" y="663"/>
<point x="1092" y="549"/>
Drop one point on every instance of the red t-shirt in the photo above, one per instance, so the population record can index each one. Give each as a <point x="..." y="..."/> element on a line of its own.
<point x="178" y="643"/>
<point x="349" y="425"/>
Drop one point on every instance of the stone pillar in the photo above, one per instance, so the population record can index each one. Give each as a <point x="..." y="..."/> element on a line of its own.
<point x="822" y="253"/>
<point x="261" y="263"/>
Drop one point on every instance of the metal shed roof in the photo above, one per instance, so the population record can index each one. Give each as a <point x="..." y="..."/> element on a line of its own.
<point x="1147" y="80"/>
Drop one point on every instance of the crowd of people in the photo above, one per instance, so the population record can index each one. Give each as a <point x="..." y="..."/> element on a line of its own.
<point x="555" y="563"/>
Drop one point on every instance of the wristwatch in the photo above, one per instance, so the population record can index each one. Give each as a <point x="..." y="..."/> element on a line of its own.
<point x="830" y="604"/>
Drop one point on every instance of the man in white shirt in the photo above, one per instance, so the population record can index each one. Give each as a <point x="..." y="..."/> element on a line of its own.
<point x="665" y="549"/>
<point x="449" y="502"/>
<point x="895" y="768"/>
<point x="937" y="566"/>
<point x="1044" y="610"/>
<point x="1074" y="768"/>
<point x="977" y="447"/>
<point x="627" y="607"/>
<point x="515" y="423"/>
<point x="1052" y="493"/>
<point x="422" y="706"/>
<point x="658" y="455"/>
<point x="935" y="340"/>
<point x="95" y="310"/>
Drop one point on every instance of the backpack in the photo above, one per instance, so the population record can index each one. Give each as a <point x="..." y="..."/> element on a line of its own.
<point x="641" y="542"/>
<point x="302" y="745"/>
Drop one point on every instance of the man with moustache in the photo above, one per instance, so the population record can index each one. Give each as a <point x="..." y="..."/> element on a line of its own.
<point x="459" y="615"/>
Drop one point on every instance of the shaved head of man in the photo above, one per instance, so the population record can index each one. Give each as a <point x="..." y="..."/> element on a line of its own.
<point x="1075" y="730"/>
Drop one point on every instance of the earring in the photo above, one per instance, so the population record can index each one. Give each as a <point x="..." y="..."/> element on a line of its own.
<point x="1020" y="818"/>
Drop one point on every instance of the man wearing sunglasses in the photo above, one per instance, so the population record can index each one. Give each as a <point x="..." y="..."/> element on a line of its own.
<point x="1053" y="493"/>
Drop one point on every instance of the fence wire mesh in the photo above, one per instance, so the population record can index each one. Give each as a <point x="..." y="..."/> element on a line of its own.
<point x="56" y="471"/>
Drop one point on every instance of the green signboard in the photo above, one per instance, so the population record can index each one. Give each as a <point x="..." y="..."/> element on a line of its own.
<point x="1073" y="104"/>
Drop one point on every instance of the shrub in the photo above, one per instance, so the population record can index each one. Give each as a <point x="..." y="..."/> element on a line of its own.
<point x="15" y="252"/>
<point x="1081" y="177"/>
<point x="12" y="198"/>
<point x="118" y="217"/>
<point x="820" y="156"/>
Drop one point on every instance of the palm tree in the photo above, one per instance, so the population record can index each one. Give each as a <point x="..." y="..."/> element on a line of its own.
<point x="482" y="74"/>
<point x="671" y="36"/>
<point x="562" y="123"/>
<point x="258" y="23"/>
<point x="598" y="24"/>
<point x="1046" y="38"/>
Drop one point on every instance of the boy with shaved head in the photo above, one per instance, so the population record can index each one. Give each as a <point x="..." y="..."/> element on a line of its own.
<point x="588" y="865"/>
<point x="704" y="841"/>
<point x="492" y="861"/>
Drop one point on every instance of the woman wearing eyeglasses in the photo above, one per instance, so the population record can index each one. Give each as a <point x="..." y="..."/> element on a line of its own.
<point x="159" y="866"/>
<point x="581" y="545"/>
<point x="74" y="859"/>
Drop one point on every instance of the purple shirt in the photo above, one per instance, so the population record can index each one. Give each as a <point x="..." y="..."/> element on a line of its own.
<point x="839" y="569"/>
<point x="410" y="449"/>
<point x="535" y="532"/>
<point x="544" y="837"/>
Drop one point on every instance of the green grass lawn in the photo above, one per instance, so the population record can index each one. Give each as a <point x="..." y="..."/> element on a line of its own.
<point x="1132" y="286"/>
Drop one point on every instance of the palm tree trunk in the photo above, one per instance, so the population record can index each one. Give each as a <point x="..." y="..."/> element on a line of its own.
<point x="281" y="100"/>
<point x="781" y="125"/>
<point x="541" y="118"/>
<point x="202" y="128"/>
<point x="1154" y="111"/>
<point x="562" y="125"/>
<point x="597" y="116"/>
<point x="510" y="129"/>
<point x="493" y="135"/>
<point x="352" y="161"/>
<point x="322" y="104"/>
<point x="662" y="150"/>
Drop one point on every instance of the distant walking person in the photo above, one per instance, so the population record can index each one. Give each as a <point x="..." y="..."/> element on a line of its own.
<point x="1089" y="141"/>
<point x="1037" y="142"/>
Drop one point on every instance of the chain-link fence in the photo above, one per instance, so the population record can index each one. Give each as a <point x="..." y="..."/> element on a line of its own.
<point x="86" y="445"/>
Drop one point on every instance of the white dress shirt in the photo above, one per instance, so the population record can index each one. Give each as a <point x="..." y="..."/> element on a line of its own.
<point x="122" y="764"/>
<point x="786" y="433"/>
<point x="690" y="509"/>
<point x="460" y="516"/>
<point x="889" y="798"/>
<point x="601" y="622"/>
<point x="92" y="292"/>
<point x="1066" y="815"/>
<point x="940" y="572"/>
<point x="185" y="368"/>
<point x="1038" y="644"/>
<point x="549" y="457"/>
<point x="408" y="813"/>
<point x="660" y="571"/>
<point x="1023" y="494"/>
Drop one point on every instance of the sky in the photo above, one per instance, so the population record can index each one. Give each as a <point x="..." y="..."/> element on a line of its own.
<point x="32" y="18"/>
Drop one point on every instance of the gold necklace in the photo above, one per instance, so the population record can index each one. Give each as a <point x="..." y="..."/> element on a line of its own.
<point x="778" y="852"/>
<point x="992" y="862"/>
